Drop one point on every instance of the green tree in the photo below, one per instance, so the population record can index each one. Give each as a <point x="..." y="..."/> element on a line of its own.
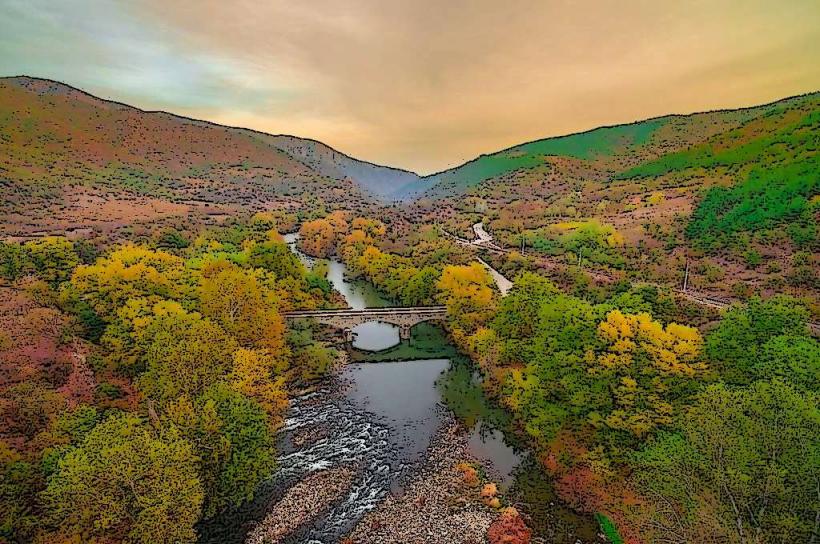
<point x="517" y="316"/>
<point x="172" y="239"/>
<point x="14" y="262"/>
<point x="796" y="359"/>
<point x="20" y="481"/>
<point x="184" y="355"/>
<point x="421" y="287"/>
<point x="313" y="361"/>
<point x="126" y="482"/>
<point x="755" y="450"/>
<point x="232" y="433"/>
<point x="53" y="258"/>
<point x="276" y="257"/>
<point x="735" y="345"/>
<point x="592" y="240"/>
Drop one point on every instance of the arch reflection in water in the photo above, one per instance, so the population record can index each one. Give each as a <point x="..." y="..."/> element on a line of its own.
<point x="375" y="336"/>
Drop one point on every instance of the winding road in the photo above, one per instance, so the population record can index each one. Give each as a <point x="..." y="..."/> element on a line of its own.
<point x="484" y="240"/>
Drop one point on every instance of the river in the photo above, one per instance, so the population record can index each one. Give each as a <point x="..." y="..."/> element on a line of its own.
<point x="379" y="414"/>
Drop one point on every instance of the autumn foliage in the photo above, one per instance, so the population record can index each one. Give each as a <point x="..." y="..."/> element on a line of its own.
<point x="140" y="390"/>
<point x="509" y="528"/>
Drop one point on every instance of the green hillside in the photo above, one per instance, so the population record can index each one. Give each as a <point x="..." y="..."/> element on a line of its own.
<point x="679" y="138"/>
<point x="600" y="142"/>
<point x="734" y="192"/>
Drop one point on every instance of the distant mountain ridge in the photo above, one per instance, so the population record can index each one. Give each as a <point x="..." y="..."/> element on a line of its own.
<point x="640" y="139"/>
<point x="57" y="141"/>
<point x="23" y="96"/>
<point x="384" y="181"/>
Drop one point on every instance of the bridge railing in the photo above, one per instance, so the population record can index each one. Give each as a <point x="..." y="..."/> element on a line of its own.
<point x="387" y="310"/>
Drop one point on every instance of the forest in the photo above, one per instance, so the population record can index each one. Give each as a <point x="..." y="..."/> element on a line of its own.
<point x="152" y="377"/>
<point x="150" y="380"/>
<point x="673" y="432"/>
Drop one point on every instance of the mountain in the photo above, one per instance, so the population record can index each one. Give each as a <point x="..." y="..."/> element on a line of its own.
<point x="383" y="181"/>
<point x="81" y="160"/>
<point x="731" y="198"/>
<point x="612" y="151"/>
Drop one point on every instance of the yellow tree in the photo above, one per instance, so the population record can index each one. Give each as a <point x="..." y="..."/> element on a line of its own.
<point x="53" y="258"/>
<point x="129" y="272"/>
<point x="184" y="355"/>
<point x="254" y="375"/>
<point x="317" y="238"/>
<point x="644" y="363"/>
<point x="242" y="305"/>
<point x="467" y="291"/>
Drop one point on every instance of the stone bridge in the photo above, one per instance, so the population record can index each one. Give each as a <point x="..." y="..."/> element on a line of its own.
<point x="403" y="317"/>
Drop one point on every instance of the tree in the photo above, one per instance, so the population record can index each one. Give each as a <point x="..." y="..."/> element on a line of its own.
<point x="237" y="300"/>
<point x="754" y="450"/>
<point x="129" y="272"/>
<point x="318" y="238"/>
<point x="517" y="315"/>
<point x="276" y="257"/>
<point x="421" y="287"/>
<point x="253" y="375"/>
<point x="467" y="291"/>
<point x="509" y="528"/>
<point x="185" y="354"/>
<point x="127" y="482"/>
<point x="735" y="345"/>
<point x="14" y="262"/>
<point x="548" y="385"/>
<point x="29" y="407"/>
<point x="232" y="433"/>
<point x="312" y="360"/>
<point x="53" y="258"/>
<point x="795" y="359"/>
<point x="20" y="481"/>
<point x="172" y="239"/>
<point x="644" y="364"/>
<point x="591" y="239"/>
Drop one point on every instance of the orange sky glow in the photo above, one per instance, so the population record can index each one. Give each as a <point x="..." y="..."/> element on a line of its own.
<point x="423" y="85"/>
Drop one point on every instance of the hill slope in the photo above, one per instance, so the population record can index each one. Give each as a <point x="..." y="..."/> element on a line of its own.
<point x="735" y="192"/>
<point x="383" y="181"/>
<point x="87" y="159"/>
<point x="607" y="148"/>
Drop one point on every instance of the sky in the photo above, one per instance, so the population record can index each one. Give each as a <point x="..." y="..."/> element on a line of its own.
<point x="419" y="84"/>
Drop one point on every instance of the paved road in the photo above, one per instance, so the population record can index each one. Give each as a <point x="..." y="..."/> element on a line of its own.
<point x="481" y="235"/>
<point x="504" y="285"/>
<point x="485" y="241"/>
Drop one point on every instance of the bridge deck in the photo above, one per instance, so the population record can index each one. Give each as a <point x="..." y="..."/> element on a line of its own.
<point x="383" y="311"/>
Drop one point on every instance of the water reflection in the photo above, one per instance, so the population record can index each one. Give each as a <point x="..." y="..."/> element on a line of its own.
<point x="403" y="396"/>
<point x="375" y="336"/>
<point x="460" y="389"/>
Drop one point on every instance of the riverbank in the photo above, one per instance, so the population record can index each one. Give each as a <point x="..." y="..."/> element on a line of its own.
<point x="302" y="503"/>
<point x="414" y="418"/>
<point x="437" y="505"/>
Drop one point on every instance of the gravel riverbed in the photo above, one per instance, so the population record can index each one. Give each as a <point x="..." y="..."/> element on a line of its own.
<point x="302" y="503"/>
<point x="436" y="507"/>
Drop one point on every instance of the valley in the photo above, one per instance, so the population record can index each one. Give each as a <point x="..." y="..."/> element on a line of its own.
<point x="380" y="418"/>
<point x="621" y="343"/>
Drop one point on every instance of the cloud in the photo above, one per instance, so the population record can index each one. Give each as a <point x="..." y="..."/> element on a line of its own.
<point x="423" y="84"/>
